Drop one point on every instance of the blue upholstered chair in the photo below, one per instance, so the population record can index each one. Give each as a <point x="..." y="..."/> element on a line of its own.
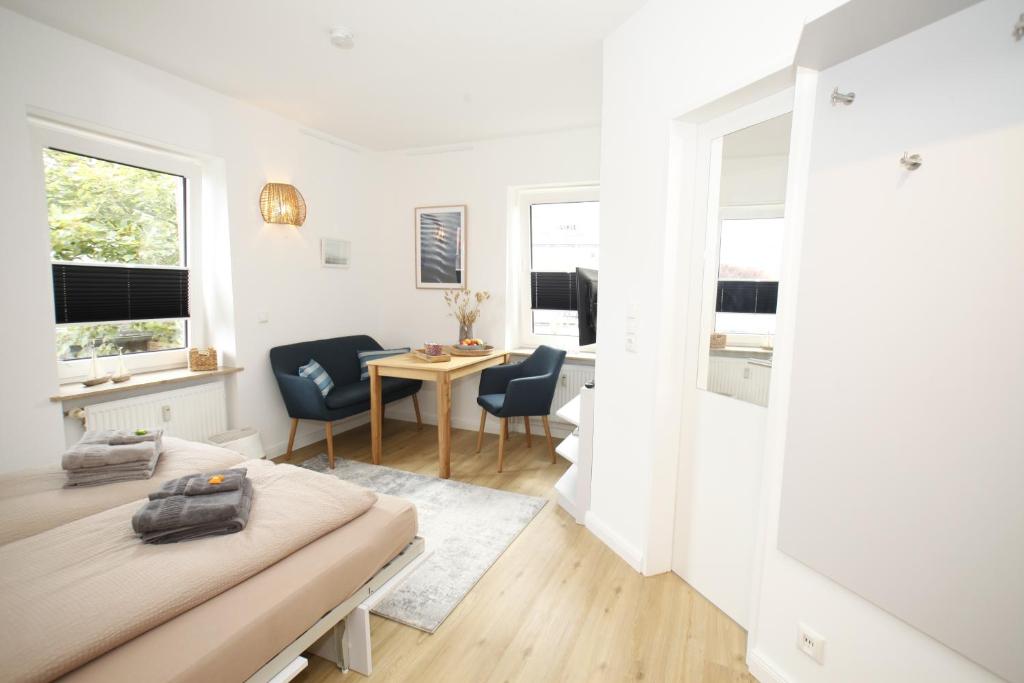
<point x="350" y="395"/>
<point x="520" y="390"/>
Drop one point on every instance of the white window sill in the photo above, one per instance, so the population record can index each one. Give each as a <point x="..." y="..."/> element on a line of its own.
<point x="76" y="390"/>
<point x="582" y="358"/>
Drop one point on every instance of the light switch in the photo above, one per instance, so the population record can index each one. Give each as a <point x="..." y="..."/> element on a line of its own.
<point x="632" y="345"/>
<point x="262" y="316"/>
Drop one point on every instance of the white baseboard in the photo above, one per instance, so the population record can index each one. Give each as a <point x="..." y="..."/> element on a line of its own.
<point x="559" y="430"/>
<point x="763" y="669"/>
<point x="307" y="434"/>
<point x="633" y="557"/>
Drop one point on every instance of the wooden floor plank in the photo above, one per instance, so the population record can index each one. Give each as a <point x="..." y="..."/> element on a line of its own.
<point x="558" y="605"/>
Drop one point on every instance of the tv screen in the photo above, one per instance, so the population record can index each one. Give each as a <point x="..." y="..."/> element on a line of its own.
<point x="586" y="305"/>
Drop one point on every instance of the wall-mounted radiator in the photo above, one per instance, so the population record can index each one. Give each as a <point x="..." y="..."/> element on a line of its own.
<point x="572" y="379"/>
<point x="195" y="413"/>
<point x="740" y="379"/>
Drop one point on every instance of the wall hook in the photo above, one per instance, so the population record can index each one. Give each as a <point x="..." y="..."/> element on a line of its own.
<point x="842" y="97"/>
<point x="1018" y="28"/>
<point x="911" y="161"/>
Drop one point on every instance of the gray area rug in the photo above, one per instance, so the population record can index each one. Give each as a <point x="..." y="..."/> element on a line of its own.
<point x="466" y="527"/>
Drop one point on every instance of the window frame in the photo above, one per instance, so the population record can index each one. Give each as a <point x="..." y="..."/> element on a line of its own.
<point x="567" y="194"/>
<point x="51" y="135"/>
<point x="740" y="212"/>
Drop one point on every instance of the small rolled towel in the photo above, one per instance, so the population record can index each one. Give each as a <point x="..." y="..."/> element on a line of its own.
<point x="186" y="518"/>
<point x="198" y="484"/>
<point x="92" y="455"/>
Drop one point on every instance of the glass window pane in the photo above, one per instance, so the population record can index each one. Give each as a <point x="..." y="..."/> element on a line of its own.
<point x="101" y="211"/>
<point x="78" y="341"/>
<point x="751" y="249"/>
<point x="564" y="236"/>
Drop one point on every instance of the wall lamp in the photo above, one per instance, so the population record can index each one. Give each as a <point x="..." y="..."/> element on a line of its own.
<point x="282" y="203"/>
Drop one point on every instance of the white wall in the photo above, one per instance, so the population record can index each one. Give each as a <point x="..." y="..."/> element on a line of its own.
<point x="671" y="58"/>
<point x="479" y="177"/>
<point x="273" y="268"/>
<point x="364" y="197"/>
<point x="668" y="59"/>
<point x="753" y="180"/>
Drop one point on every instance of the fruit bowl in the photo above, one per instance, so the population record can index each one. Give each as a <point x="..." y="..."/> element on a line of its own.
<point x="479" y="349"/>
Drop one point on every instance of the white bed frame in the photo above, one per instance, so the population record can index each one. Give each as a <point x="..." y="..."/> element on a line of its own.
<point x="344" y="632"/>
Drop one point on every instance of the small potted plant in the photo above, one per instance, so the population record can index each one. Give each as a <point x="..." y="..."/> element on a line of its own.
<point x="464" y="306"/>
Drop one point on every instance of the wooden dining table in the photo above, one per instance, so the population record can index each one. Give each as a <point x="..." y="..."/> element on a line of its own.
<point x="409" y="366"/>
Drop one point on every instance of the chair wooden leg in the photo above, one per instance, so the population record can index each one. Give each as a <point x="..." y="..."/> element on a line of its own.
<point x="480" y="436"/>
<point x="329" y="436"/>
<point x="547" y="432"/>
<point x="416" y="407"/>
<point x="529" y="437"/>
<point x="291" y="435"/>
<point x="502" y="435"/>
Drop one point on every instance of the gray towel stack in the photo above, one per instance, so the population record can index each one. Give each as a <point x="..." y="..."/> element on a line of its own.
<point x="193" y="507"/>
<point x="105" y="456"/>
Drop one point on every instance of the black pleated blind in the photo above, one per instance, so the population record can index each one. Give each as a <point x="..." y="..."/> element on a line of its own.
<point x="738" y="296"/>
<point x="92" y="294"/>
<point x="553" y="291"/>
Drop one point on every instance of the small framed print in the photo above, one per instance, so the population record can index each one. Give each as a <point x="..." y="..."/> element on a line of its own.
<point x="441" y="247"/>
<point x="335" y="253"/>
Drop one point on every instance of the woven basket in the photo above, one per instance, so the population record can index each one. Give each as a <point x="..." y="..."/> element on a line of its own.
<point x="202" y="359"/>
<point x="718" y="341"/>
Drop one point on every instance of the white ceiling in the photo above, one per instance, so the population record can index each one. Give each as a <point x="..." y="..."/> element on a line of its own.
<point x="421" y="73"/>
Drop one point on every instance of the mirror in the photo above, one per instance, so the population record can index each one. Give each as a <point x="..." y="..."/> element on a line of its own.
<point x="746" y="226"/>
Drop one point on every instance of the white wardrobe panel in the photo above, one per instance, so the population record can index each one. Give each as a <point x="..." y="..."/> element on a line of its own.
<point x="904" y="470"/>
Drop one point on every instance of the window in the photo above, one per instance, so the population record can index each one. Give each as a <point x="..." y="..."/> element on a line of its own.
<point x="119" y="251"/>
<point x="560" y="233"/>
<point x="750" y="260"/>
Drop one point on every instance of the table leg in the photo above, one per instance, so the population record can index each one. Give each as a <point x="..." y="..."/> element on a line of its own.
<point x="376" y="414"/>
<point x="444" y="426"/>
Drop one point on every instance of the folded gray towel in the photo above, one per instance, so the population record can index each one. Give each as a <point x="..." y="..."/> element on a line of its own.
<point x="93" y="455"/>
<point x="198" y="483"/>
<point x="121" y="437"/>
<point x="201" y="486"/>
<point x="97" y="480"/>
<point x="187" y="518"/>
<point x="97" y="476"/>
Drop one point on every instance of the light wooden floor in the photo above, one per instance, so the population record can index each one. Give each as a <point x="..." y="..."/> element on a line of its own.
<point x="557" y="606"/>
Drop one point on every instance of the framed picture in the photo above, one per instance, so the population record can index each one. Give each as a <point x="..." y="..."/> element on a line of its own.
<point x="441" y="247"/>
<point x="335" y="253"/>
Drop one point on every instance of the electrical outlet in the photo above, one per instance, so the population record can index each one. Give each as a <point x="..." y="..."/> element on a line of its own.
<point x="811" y="644"/>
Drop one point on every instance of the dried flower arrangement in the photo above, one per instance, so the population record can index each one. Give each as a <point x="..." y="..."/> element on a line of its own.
<point x="464" y="305"/>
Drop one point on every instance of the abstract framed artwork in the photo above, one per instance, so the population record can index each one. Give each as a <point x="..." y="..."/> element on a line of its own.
<point x="335" y="253"/>
<point x="441" y="247"/>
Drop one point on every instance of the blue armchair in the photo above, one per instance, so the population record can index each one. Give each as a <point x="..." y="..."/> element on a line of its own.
<point x="350" y="395"/>
<point x="523" y="390"/>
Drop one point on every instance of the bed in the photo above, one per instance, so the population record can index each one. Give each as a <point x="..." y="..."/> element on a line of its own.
<point x="257" y="627"/>
<point x="234" y="635"/>
<point x="35" y="500"/>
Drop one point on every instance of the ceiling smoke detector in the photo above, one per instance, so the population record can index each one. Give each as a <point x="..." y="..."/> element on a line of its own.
<point x="342" y="37"/>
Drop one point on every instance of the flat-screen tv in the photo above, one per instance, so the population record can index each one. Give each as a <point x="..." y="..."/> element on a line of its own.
<point x="586" y="305"/>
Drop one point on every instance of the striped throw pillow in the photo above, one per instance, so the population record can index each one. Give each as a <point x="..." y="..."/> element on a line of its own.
<point x="315" y="372"/>
<point x="364" y="371"/>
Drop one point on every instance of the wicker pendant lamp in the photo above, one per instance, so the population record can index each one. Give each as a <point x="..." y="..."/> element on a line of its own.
<point x="282" y="203"/>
